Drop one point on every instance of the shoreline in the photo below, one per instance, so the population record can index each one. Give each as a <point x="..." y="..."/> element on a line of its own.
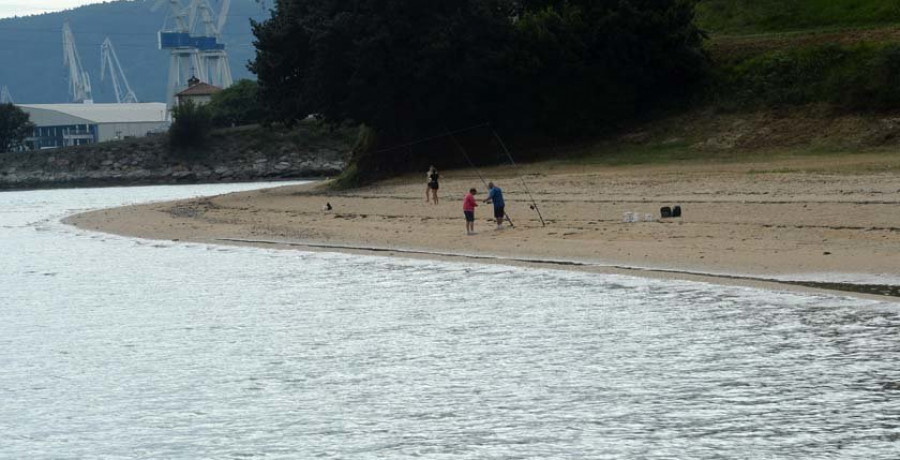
<point x="865" y="290"/>
<point x="121" y="182"/>
<point x="826" y="232"/>
<point x="243" y="154"/>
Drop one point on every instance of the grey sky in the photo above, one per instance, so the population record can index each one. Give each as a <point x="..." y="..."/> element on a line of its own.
<point x="25" y="7"/>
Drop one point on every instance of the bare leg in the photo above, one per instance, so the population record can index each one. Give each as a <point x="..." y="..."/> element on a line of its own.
<point x="427" y="191"/>
<point x="434" y="195"/>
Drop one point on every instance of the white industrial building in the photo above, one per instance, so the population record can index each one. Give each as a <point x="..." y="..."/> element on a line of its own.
<point x="64" y="125"/>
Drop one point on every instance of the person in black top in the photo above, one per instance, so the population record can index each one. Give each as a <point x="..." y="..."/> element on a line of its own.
<point x="431" y="191"/>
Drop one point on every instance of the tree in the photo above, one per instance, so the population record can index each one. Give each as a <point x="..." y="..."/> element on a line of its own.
<point x="401" y="67"/>
<point x="237" y="105"/>
<point x="14" y="127"/>
<point x="408" y="69"/>
<point x="190" y="129"/>
<point x="594" y="63"/>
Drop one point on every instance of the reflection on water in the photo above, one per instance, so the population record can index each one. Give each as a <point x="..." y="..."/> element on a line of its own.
<point x="119" y="348"/>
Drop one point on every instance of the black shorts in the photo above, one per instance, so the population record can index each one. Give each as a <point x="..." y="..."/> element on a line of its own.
<point x="470" y="216"/>
<point x="433" y="185"/>
<point x="499" y="212"/>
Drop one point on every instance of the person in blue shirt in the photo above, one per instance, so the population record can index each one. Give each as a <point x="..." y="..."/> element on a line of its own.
<point x="495" y="196"/>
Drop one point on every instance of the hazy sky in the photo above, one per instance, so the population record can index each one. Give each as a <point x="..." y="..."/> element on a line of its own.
<point x="25" y="7"/>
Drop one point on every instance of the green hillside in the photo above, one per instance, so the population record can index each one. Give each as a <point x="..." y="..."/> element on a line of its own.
<point x="759" y="16"/>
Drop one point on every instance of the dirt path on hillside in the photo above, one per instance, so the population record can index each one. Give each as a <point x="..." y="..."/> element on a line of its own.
<point x="730" y="45"/>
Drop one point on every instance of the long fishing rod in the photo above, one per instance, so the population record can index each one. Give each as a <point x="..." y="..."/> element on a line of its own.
<point x="534" y="204"/>
<point x="466" y="155"/>
<point x="477" y="171"/>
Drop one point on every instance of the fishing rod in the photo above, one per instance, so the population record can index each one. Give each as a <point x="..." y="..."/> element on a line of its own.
<point x="477" y="171"/>
<point x="534" y="204"/>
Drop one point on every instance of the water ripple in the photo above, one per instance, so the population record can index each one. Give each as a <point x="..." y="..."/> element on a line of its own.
<point x="111" y="348"/>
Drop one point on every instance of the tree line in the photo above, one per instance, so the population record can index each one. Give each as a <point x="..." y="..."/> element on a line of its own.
<point x="15" y="126"/>
<point x="406" y="68"/>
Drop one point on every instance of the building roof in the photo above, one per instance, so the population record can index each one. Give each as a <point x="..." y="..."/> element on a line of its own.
<point x="107" y="113"/>
<point x="200" y="89"/>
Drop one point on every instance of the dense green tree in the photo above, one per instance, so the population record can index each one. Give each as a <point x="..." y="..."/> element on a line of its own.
<point x="190" y="129"/>
<point x="407" y="69"/>
<point x="14" y="127"/>
<point x="585" y="64"/>
<point x="403" y="68"/>
<point x="237" y="105"/>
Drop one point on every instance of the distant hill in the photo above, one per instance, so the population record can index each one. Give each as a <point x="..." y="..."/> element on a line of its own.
<point x="31" y="62"/>
<point x="759" y="16"/>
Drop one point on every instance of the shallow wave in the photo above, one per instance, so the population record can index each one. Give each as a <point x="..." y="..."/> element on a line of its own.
<point x="115" y="347"/>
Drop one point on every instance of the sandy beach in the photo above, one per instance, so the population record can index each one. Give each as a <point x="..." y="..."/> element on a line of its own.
<point x="821" y="218"/>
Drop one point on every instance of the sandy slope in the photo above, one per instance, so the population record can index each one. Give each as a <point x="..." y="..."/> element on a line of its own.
<point x="832" y="217"/>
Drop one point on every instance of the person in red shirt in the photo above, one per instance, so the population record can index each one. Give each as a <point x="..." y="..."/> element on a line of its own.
<point x="469" y="205"/>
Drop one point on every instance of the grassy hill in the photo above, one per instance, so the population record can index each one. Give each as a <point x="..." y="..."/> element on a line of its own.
<point x="787" y="53"/>
<point x="789" y="78"/>
<point x="31" y="62"/>
<point x="725" y="17"/>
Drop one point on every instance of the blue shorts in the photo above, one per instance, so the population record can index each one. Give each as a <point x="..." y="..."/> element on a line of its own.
<point x="499" y="212"/>
<point x="470" y="216"/>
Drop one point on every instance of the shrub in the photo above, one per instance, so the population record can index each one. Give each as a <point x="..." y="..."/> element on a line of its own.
<point x="237" y="105"/>
<point x="15" y="126"/>
<point x="852" y="77"/>
<point x="190" y="128"/>
<point x="874" y="84"/>
<point x="730" y="16"/>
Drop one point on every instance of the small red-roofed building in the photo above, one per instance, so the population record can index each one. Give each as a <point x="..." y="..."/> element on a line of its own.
<point x="198" y="92"/>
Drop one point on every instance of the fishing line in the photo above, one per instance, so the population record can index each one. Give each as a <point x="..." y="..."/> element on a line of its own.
<point x="477" y="171"/>
<point x="521" y="178"/>
<point x="466" y="155"/>
<point x="431" y="138"/>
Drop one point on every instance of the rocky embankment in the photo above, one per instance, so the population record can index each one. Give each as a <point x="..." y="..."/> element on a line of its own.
<point x="245" y="154"/>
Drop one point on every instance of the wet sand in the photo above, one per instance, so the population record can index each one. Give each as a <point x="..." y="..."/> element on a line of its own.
<point x="830" y="219"/>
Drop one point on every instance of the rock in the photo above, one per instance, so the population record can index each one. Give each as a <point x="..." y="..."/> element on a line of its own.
<point x="151" y="161"/>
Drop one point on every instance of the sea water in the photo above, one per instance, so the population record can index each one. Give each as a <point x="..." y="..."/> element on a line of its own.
<point x="114" y="347"/>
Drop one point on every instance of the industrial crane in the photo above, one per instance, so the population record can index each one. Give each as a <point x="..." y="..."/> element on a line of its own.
<point x="109" y="60"/>
<point x="220" y="62"/>
<point x="184" y="56"/>
<point x="79" y="80"/>
<point x="5" y="97"/>
<point x="213" y="56"/>
<point x="179" y="15"/>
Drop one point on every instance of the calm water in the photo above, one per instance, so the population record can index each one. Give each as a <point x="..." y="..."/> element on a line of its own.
<point x="119" y="348"/>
